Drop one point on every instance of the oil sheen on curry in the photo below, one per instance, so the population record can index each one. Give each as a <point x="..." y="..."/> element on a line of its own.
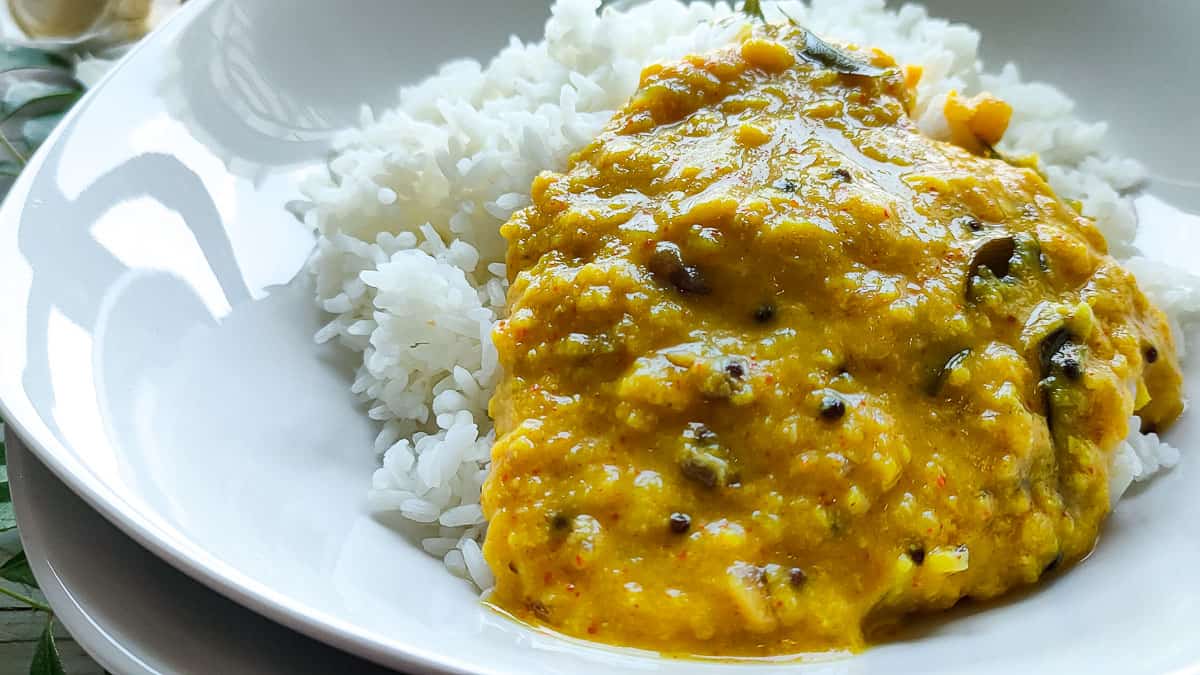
<point x="780" y="370"/>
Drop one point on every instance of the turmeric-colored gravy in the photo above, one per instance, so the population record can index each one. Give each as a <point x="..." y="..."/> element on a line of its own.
<point x="780" y="369"/>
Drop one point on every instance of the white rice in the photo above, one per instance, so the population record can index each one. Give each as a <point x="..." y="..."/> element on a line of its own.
<point x="410" y="262"/>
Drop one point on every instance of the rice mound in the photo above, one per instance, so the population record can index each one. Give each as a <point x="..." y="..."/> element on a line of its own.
<point x="410" y="262"/>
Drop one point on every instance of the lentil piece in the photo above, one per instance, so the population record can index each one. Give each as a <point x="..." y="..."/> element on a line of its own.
<point x="704" y="468"/>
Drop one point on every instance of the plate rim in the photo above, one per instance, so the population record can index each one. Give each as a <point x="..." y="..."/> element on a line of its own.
<point x="108" y="622"/>
<point x="84" y="629"/>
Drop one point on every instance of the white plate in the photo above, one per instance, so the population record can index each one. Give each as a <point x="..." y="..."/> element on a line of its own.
<point x="155" y="363"/>
<point x="135" y="614"/>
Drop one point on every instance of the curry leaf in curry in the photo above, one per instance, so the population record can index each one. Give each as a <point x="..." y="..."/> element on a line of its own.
<point x="1029" y="162"/>
<point x="753" y="9"/>
<point x="942" y="373"/>
<point x="824" y="54"/>
<point x="817" y="50"/>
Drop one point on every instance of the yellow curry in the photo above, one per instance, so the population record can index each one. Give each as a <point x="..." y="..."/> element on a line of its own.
<point x="781" y="370"/>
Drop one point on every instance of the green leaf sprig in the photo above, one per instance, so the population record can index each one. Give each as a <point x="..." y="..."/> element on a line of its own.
<point x="816" y="50"/>
<point x="46" y="659"/>
<point x="753" y="9"/>
<point x="36" y="90"/>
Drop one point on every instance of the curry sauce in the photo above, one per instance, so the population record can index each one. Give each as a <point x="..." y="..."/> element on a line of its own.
<point x="780" y="369"/>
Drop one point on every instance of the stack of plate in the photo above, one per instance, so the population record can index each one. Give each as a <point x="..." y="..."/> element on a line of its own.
<point x="158" y="359"/>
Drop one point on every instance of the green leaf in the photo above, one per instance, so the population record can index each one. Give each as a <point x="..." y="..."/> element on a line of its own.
<point x="38" y="129"/>
<point x="33" y="86"/>
<point x="16" y="569"/>
<point x="24" y="57"/>
<point x="32" y="102"/>
<point x="20" y="92"/>
<point x="8" y="519"/>
<point x="46" y="660"/>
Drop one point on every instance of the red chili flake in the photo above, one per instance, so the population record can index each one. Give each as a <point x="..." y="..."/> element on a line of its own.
<point x="683" y="555"/>
<point x="616" y="516"/>
<point x="578" y="561"/>
<point x="941" y="480"/>
<point x="887" y="214"/>
<point x="548" y="577"/>
<point x="592" y="629"/>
